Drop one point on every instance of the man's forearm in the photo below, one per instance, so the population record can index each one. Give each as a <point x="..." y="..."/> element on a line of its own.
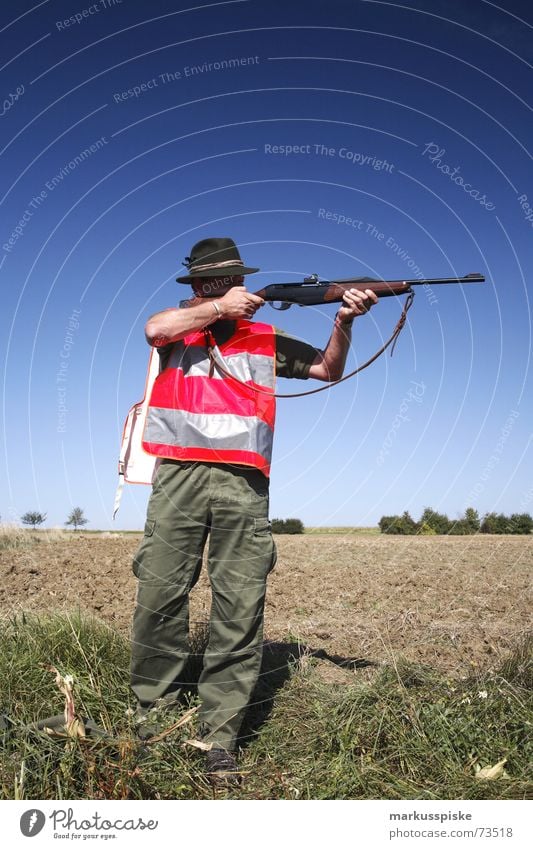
<point x="329" y="364"/>
<point x="173" y="324"/>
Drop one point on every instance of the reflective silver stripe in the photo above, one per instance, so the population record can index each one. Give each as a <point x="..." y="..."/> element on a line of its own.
<point x="213" y="431"/>
<point x="194" y="362"/>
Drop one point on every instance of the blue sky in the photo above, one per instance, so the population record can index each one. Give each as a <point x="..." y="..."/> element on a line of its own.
<point x="132" y="130"/>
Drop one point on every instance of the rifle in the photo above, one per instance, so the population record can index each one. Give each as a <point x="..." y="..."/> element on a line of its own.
<point x="312" y="292"/>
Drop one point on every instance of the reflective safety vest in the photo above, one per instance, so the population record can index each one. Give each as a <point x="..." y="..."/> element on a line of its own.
<point x="197" y="412"/>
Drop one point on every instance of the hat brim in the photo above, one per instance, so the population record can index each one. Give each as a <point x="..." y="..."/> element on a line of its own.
<point x="229" y="271"/>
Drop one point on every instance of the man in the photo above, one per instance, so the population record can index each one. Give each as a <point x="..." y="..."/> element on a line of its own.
<point x="210" y="422"/>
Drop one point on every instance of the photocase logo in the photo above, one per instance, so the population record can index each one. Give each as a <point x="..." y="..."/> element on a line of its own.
<point x="32" y="822"/>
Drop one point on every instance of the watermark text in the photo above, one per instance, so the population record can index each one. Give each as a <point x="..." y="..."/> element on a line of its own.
<point x="494" y="459"/>
<point x="187" y="71"/>
<point x="527" y="209"/>
<point x="83" y="14"/>
<point x="11" y="99"/>
<point x="435" y="155"/>
<point x="63" y="369"/>
<point x="414" y="395"/>
<point x="355" y="157"/>
<point x="51" y="184"/>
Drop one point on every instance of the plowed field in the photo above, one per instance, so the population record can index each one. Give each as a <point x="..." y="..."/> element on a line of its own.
<point x="453" y="602"/>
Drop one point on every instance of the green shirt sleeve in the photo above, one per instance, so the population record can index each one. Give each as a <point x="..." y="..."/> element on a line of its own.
<point x="293" y="357"/>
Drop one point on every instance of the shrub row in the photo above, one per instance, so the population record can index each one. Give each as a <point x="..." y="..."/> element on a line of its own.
<point x="287" y="526"/>
<point x="432" y="522"/>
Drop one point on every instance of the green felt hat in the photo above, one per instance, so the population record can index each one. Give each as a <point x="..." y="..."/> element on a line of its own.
<point x="214" y="258"/>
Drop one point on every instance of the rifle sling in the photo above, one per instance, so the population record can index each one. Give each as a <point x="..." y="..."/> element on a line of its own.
<point x="218" y="362"/>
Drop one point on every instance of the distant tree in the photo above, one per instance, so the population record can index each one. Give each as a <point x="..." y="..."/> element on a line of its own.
<point x="408" y="524"/>
<point x="294" y="526"/>
<point x="468" y="524"/>
<point x="33" y="518"/>
<point x="76" y="518"/>
<point x="426" y="530"/>
<point x="389" y="524"/>
<point x="460" y="528"/>
<point x="471" y="518"/>
<point x="494" y="523"/>
<point x="438" y="521"/>
<point x="287" y="526"/>
<point x="520" y="523"/>
<point x="403" y="524"/>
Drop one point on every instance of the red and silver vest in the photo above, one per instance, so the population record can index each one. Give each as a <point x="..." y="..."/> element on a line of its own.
<point x="198" y="413"/>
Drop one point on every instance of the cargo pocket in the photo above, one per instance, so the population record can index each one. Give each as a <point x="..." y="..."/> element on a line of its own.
<point x="262" y="527"/>
<point x="149" y="528"/>
<point x="263" y="530"/>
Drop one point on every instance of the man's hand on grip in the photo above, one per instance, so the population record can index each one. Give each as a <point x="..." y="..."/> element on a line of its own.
<point x="239" y="303"/>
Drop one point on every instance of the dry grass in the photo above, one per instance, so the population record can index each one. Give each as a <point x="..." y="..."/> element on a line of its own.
<point x="13" y="537"/>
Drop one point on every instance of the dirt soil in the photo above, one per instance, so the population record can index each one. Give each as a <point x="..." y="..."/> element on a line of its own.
<point x="456" y="603"/>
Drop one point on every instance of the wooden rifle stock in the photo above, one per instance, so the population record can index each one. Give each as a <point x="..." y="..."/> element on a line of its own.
<point x="312" y="292"/>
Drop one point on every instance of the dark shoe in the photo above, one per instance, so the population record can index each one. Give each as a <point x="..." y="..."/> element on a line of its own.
<point x="153" y="720"/>
<point x="147" y="730"/>
<point x="221" y="768"/>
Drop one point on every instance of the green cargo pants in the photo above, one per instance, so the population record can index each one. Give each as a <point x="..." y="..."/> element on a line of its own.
<point x="189" y="503"/>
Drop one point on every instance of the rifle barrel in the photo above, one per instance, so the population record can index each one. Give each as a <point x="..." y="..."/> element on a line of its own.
<point x="469" y="278"/>
<point x="312" y="291"/>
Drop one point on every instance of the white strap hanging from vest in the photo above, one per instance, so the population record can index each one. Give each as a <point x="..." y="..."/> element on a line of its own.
<point x="135" y="465"/>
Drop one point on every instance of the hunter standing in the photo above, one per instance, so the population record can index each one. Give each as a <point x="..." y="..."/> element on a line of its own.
<point x="213" y="437"/>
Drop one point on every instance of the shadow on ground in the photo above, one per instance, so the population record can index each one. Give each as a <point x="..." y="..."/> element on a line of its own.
<point x="279" y="659"/>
